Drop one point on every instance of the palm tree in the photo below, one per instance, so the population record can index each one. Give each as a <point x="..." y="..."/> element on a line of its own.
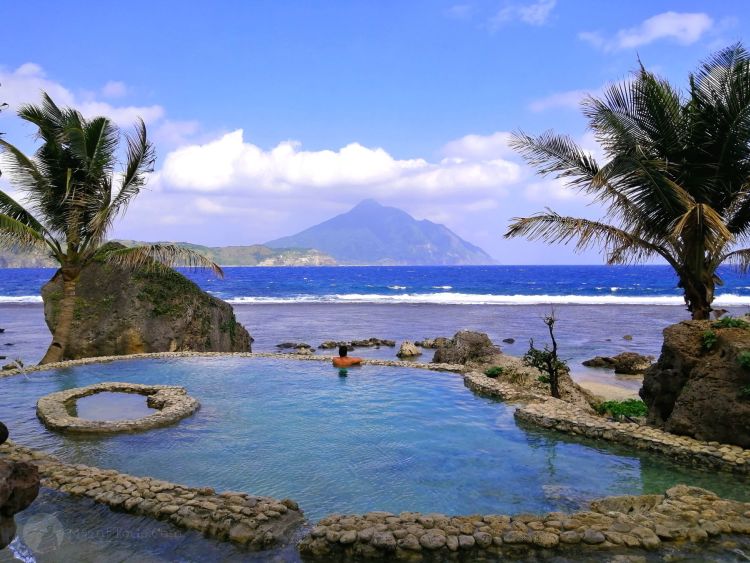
<point x="676" y="181"/>
<point x="74" y="191"/>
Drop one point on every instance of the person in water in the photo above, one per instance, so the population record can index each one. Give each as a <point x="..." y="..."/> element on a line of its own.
<point x="343" y="360"/>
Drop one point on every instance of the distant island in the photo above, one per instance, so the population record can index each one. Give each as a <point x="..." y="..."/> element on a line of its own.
<point x="373" y="234"/>
<point x="253" y="255"/>
<point x="369" y="234"/>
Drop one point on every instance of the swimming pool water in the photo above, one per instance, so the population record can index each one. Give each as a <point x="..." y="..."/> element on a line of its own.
<point x="382" y="438"/>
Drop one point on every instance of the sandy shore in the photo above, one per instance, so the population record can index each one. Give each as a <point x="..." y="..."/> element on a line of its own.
<point x="608" y="391"/>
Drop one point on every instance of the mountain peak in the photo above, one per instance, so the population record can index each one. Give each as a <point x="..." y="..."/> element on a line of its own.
<point x="374" y="234"/>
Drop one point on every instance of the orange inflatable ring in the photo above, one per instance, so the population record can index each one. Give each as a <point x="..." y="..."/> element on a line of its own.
<point x="346" y="362"/>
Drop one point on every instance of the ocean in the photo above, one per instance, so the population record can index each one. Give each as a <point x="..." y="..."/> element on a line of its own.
<point x="597" y="306"/>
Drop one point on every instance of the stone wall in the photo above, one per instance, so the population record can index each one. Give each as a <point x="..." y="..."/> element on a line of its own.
<point x="564" y="417"/>
<point x="254" y="521"/>
<point x="645" y="522"/>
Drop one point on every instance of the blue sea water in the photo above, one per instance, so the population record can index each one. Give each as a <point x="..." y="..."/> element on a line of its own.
<point x="646" y="285"/>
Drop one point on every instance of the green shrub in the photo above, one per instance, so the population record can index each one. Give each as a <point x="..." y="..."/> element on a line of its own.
<point x="619" y="409"/>
<point x="709" y="339"/>
<point x="743" y="359"/>
<point x="543" y="379"/>
<point x="494" y="371"/>
<point x="731" y="322"/>
<point x="745" y="392"/>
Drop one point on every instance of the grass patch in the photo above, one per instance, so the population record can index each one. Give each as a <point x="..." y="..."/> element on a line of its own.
<point x="619" y="409"/>
<point x="743" y="359"/>
<point x="494" y="371"/>
<point x="731" y="322"/>
<point x="709" y="339"/>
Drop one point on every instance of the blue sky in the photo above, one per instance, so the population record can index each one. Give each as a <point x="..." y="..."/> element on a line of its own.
<point x="270" y="116"/>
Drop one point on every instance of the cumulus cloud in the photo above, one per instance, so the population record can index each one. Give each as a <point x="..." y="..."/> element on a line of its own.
<point x="682" y="28"/>
<point x="535" y="13"/>
<point x="229" y="164"/>
<point x="25" y="84"/>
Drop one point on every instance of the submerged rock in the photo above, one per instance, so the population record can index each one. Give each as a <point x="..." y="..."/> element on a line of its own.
<point x="119" y="311"/>
<point x="466" y="346"/>
<point x="701" y="391"/>
<point x="408" y="350"/>
<point x="509" y="340"/>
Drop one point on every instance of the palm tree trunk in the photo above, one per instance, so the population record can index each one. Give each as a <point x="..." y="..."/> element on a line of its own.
<point x="61" y="336"/>
<point x="699" y="294"/>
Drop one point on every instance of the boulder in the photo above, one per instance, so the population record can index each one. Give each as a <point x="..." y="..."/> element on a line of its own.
<point x="697" y="391"/>
<point x="120" y="311"/>
<point x="294" y="346"/>
<point x="408" y="350"/>
<point x="466" y="347"/>
<point x="19" y="486"/>
<point x="625" y="363"/>
<point x="432" y="343"/>
<point x="509" y="340"/>
<point x="331" y="344"/>
<point x="370" y="342"/>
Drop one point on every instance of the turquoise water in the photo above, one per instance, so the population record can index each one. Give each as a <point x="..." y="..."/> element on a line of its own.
<point x="380" y="439"/>
<point x="112" y="406"/>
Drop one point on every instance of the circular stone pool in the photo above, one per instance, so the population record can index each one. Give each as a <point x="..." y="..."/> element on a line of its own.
<point x="383" y="438"/>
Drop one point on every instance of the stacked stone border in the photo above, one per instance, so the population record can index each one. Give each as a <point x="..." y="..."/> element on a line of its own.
<point x="172" y="403"/>
<point x="155" y="355"/>
<point x="253" y="521"/>
<point x="568" y="418"/>
<point x="646" y="522"/>
<point x="563" y="417"/>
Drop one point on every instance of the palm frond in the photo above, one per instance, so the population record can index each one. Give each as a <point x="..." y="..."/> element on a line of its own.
<point x="550" y="227"/>
<point x="147" y="255"/>
<point x="738" y="258"/>
<point x="14" y="233"/>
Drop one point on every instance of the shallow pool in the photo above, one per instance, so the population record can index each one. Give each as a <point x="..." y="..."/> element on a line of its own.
<point x="111" y="406"/>
<point x="380" y="439"/>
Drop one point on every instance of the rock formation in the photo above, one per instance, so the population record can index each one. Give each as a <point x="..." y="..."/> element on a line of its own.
<point x="119" y="311"/>
<point x="466" y="347"/>
<point x="625" y="363"/>
<point x="433" y="343"/>
<point x="19" y="486"/>
<point x="699" y="386"/>
<point x="408" y="350"/>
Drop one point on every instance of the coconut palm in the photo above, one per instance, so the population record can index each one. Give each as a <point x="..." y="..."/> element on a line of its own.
<point x="676" y="181"/>
<point x="73" y="190"/>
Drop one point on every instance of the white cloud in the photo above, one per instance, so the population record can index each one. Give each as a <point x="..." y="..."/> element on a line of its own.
<point x="535" y="13"/>
<point x="25" y="84"/>
<point x="114" y="89"/>
<point x="228" y="164"/>
<point x="683" y="28"/>
<point x="480" y="146"/>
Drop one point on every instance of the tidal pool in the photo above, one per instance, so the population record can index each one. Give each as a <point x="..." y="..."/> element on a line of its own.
<point x="111" y="406"/>
<point x="383" y="438"/>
